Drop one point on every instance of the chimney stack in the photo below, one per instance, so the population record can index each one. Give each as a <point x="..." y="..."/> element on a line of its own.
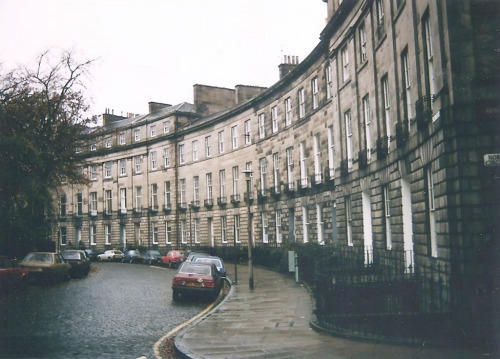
<point x="289" y="63"/>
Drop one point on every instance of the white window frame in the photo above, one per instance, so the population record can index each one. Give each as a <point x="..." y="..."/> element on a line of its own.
<point x="288" y="111"/>
<point x="166" y="157"/>
<point x="407" y="84"/>
<point x="137" y="134"/>
<point x="386" y="106"/>
<point x="302" y="103"/>
<point x="153" y="160"/>
<point x="349" y="137"/>
<point x="107" y="142"/>
<point x="107" y="234"/>
<point x="345" y="63"/>
<point x="320" y="224"/>
<point x="166" y="126"/>
<point x="182" y="154"/>
<point x="262" y="125"/>
<point x="331" y="152"/>
<point x="429" y="55"/>
<point x="274" y="119"/>
<point x="277" y="224"/>
<point x="121" y="139"/>
<point x="208" y="146"/>
<point x="223" y="228"/>
<point x="318" y="174"/>
<point x="348" y="217"/>
<point x="152" y="131"/>
<point x="222" y="184"/>
<point x="220" y="137"/>
<point x="305" y="224"/>
<point x="138" y="198"/>
<point x="167" y="194"/>
<point x="194" y="145"/>
<point x="108" y="201"/>
<point x="154" y="196"/>
<point x="138" y="164"/>
<point x="123" y="199"/>
<point x="328" y="75"/>
<point x="93" y="172"/>
<point x="196" y="189"/>
<point x="265" y="227"/>
<point x="209" y="184"/>
<point x="236" y="179"/>
<point x="289" y="167"/>
<point x="303" y="165"/>
<point x="248" y="133"/>
<point x="107" y="169"/>
<point x="237" y="228"/>
<point x="123" y="167"/>
<point x="168" y="233"/>
<point x="234" y="137"/>
<point x="387" y="215"/>
<point x="315" y="93"/>
<point x="362" y="42"/>
<point x="263" y="175"/>
<point x="367" y="123"/>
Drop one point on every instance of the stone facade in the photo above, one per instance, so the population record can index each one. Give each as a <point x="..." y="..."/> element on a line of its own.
<point x="375" y="140"/>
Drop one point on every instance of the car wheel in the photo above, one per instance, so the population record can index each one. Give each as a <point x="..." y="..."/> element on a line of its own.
<point x="110" y="259"/>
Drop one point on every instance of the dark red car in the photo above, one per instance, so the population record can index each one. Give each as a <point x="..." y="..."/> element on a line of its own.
<point x="197" y="278"/>
<point x="173" y="258"/>
<point x="11" y="275"/>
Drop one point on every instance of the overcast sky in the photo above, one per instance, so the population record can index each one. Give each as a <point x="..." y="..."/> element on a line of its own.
<point x="156" y="50"/>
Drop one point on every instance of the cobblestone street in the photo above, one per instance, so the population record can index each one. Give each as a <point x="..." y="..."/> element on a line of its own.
<point x="118" y="311"/>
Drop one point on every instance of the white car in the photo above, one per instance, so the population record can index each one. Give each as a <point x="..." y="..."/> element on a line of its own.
<point x="111" y="255"/>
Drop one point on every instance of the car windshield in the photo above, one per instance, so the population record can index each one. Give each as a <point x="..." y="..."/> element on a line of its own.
<point x="38" y="257"/>
<point x="192" y="268"/>
<point x="116" y="252"/>
<point x="215" y="261"/>
<point x="154" y="253"/>
<point x="71" y="255"/>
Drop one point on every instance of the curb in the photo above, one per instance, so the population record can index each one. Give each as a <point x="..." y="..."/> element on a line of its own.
<point x="186" y="327"/>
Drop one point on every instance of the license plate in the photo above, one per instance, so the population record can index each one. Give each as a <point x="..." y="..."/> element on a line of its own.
<point x="192" y="284"/>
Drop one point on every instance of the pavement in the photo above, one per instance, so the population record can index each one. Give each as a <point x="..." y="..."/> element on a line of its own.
<point x="272" y="321"/>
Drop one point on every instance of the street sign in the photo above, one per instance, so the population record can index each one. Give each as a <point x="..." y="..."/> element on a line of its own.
<point x="492" y="160"/>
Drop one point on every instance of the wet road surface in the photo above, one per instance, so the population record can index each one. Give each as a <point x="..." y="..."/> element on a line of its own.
<point x="119" y="311"/>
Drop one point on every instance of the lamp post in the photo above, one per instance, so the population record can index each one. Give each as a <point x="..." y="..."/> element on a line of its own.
<point x="248" y="174"/>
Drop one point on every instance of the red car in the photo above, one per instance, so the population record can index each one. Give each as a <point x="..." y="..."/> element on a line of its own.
<point x="11" y="275"/>
<point x="197" y="278"/>
<point x="173" y="258"/>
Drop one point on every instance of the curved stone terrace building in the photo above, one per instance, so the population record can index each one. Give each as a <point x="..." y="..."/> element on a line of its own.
<point x="384" y="141"/>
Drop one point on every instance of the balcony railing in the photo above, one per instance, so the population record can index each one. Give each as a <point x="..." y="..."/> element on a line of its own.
<point x="402" y="132"/>
<point x="423" y="108"/>
<point x="209" y="202"/>
<point x="222" y="201"/>
<point x="235" y="199"/>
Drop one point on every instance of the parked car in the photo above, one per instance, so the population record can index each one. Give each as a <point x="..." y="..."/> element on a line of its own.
<point x="191" y="254"/>
<point x="46" y="266"/>
<point x="173" y="258"/>
<point x="11" y="275"/>
<point x="92" y="254"/>
<point x="152" y="257"/>
<point x="219" y="263"/>
<point x="133" y="256"/>
<point x="196" y="278"/>
<point x="111" y="255"/>
<point x="80" y="264"/>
